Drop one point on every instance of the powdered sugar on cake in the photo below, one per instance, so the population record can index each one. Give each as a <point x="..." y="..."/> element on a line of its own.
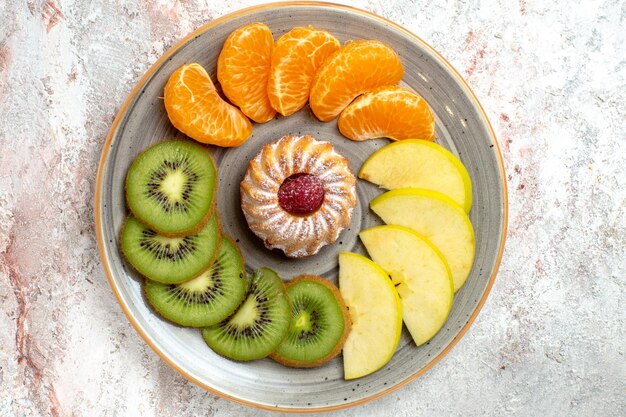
<point x="297" y="235"/>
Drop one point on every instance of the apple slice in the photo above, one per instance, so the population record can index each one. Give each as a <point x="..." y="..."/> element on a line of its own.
<point x="376" y="315"/>
<point x="420" y="274"/>
<point x="437" y="218"/>
<point x="419" y="163"/>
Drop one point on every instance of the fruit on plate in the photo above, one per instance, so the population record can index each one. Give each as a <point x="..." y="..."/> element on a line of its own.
<point x="390" y="111"/>
<point x="243" y="69"/>
<point x="418" y="163"/>
<point x="195" y="108"/>
<point x="354" y="69"/>
<point x="260" y="323"/>
<point x="171" y="187"/>
<point x="297" y="56"/>
<point x="170" y="260"/>
<point x="207" y="299"/>
<point x="420" y="274"/>
<point x="376" y="315"/>
<point x="436" y="217"/>
<point x="319" y="323"/>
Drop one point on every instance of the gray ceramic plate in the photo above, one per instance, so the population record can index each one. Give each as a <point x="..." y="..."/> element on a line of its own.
<point x="461" y="127"/>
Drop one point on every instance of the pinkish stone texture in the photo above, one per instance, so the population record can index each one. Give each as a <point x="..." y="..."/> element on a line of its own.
<point x="551" y="337"/>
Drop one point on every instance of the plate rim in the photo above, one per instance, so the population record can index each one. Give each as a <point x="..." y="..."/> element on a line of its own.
<point x="137" y="89"/>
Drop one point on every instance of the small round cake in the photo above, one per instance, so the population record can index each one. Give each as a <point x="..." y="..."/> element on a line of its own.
<point x="298" y="194"/>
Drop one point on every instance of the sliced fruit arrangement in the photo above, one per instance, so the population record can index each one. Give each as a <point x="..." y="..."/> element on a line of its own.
<point x="419" y="273"/>
<point x="419" y="164"/>
<point x="354" y="69"/>
<point x="392" y="112"/>
<point x="436" y="217"/>
<point x="243" y="70"/>
<point x="427" y="247"/>
<point x="320" y="323"/>
<point x="297" y="56"/>
<point x="261" y="77"/>
<point x="207" y="299"/>
<point x="259" y="325"/>
<point x="195" y="108"/>
<point x="171" y="186"/>
<point x="376" y="315"/>
<point x="198" y="279"/>
<point x="195" y="275"/>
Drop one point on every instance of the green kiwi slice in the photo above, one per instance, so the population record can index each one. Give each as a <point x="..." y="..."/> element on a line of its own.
<point x="320" y="323"/>
<point x="170" y="187"/>
<point x="207" y="299"/>
<point x="169" y="260"/>
<point x="260" y="323"/>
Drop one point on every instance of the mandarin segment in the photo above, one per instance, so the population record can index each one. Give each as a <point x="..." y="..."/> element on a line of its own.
<point x="297" y="56"/>
<point x="195" y="108"/>
<point x="243" y="69"/>
<point x="352" y="70"/>
<point x="392" y="111"/>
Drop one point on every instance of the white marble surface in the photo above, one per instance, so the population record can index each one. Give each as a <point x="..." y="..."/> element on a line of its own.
<point x="550" y="340"/>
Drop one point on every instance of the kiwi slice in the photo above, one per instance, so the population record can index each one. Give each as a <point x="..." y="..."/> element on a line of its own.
<point x="207" y="299"/>
<point x="170" y="260"/>
<point x="171" y="186"/>
<point x="320" y="323"/>
<point x="260" y="323"/>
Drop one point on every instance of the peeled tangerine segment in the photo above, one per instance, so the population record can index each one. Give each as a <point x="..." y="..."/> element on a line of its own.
<point x="391" y="112"/>
<point x="420" y="274"/>
<point x="297" y="56"/>
<point x="419" y="164"/>
<point x="243" y="70"/>
<point x="195" y="108"/>
<point x="438" y="219"/>
<point x="376" y="315"/>
<point x="354" y="69"/>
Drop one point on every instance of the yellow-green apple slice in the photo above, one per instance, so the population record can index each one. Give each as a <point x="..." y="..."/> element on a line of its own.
<point x="420" y="274"/>
<point x="375" y="312"/>
<point x="436" y="217"/>
<point x="417" y="163"/>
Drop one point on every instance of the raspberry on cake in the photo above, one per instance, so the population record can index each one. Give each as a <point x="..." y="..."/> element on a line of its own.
<point x="298" y="194"/>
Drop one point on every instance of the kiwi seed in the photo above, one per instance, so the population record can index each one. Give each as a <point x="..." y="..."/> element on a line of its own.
<point x="207" y="299"/>
<point x="169" y="260"/>
<point x="260" y="323"/>
<point x="320" y="323"/>
<point x="170" y="187"/>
